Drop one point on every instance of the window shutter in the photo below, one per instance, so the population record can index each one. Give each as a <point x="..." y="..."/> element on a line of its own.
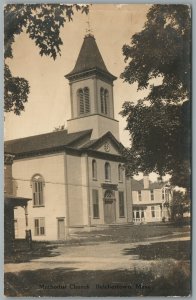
<point x="121" y="204"/>
<point x="95" y="204"/>
<point x="102" y="100"/>
<point x="81" y="101"/>
<point x="86" y="100"/>
<point x="36" y="226"/>
<point x="42" y="226"/>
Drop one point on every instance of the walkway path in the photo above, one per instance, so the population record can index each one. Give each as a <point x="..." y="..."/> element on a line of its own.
<point x="97" y="256"/>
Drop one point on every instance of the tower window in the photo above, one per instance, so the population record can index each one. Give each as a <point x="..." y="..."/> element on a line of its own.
<point x="83" y="96"/>
<point x="37" y="186"/>
<point x="107" y="172"/>
<point x="104" y="96"/>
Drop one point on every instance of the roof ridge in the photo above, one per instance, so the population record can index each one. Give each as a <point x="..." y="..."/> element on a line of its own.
<point x="47" y="133"/>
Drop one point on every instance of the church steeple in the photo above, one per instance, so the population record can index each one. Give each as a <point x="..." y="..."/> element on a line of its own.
<point x="89" y="60"/>
<point x="91" y="91"/>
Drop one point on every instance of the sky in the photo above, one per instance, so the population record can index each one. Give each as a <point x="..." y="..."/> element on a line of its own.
<point x="48" y="104"/>
<point x="49" y="99"/>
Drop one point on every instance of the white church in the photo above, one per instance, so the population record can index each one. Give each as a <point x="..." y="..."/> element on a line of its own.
<point x="74" y="177"/>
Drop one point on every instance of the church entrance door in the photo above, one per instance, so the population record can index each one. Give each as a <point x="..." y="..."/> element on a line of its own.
<point x="109" y="208"/>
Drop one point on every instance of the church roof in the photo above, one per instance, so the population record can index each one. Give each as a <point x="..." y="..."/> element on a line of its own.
<point x="58" y="141"/>
<point x="89" y="58"/>
<point x="45" y="141"/>
<point x="92" y="144"/>
<point x="138" y="185"/>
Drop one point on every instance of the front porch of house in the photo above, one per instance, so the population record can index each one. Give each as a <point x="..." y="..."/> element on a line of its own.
<point x="10" y="204"/>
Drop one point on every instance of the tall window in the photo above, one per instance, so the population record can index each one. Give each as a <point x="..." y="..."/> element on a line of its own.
<point x="38" y="186"/>
<point x="83" y="101"/>
<point x="107" y="172"/>
<point x="139" y="195"/>
<point x="121" y="205"/>
<point x="95" y="204"/>
<point x="16" y="228"/>
<point x="153" y="211"/>
<point x="167" y="195"/>
<point x="104" y="96"/>
<point x="120" y="173"/>
<point x="151" y="195"/>
<point x="39" y="226"/>
<point x="163" y="194"/>
<point x="94" y="169"/>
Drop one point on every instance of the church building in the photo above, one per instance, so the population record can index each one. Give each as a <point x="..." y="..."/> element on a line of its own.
<point x="75" y="177"/>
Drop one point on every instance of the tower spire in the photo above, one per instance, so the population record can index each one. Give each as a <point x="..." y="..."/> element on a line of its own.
<point x="88" y="28"/>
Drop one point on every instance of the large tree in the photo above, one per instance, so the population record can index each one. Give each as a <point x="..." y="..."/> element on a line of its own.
<point x="42" y="23"/>
<point x="159" y="58"/>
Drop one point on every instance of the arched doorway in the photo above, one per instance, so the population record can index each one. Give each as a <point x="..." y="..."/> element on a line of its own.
<point x="109" y="207"/>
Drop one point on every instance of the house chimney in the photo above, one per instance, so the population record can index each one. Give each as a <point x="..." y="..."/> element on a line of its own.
<point x="146" y="181"/>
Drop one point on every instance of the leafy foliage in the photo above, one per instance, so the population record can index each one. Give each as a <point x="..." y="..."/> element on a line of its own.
<point x="162" y="49"/>
<point x="159" y="124"/>
<point x="180" y="205"/>
<point x="42" y="23"/>
<point x="16" y="92"/>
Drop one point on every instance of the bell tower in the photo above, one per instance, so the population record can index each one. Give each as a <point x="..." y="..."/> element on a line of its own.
<point x="91" y="93"/>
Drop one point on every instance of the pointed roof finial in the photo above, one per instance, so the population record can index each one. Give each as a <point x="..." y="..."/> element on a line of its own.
<point x="89" y="29"/>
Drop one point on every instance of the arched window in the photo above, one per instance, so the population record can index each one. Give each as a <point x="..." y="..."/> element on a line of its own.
<point x="94" y="169"/>
<point x="104" y="96"/>
<point x="120" y="173"/>
<point x="37" y="182"/>
<point x="107" y="172"/>
<point x="83" y="96"/>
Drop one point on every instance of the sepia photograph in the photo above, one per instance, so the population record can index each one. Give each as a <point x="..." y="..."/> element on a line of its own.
<point x="97" y="156"/>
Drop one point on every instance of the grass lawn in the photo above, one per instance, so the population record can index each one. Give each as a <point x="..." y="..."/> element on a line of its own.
<point x="173" y="255"/>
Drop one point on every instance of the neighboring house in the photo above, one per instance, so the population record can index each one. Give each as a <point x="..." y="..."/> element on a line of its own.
<point x="75" y="176"/>
<point x="11" y="203"/>
<point x="151" y="201"/>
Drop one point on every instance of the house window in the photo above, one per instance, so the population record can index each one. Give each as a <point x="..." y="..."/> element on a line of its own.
<point x="163" y="194"/>
<point x="120" y="173"/>
<point x="37" y="187"/>
<point x="121" y="205"/>
<point x="16" y="228"/>
<point x="140" y="195"/>
<point x="152" y="195"/>
<point x="167" y="195"/>
<point x="95" y="204"/>
<point x="153" y="211"/>
<point x="39" y="226"/>
<point x="94" y="169"/>
<point x="104" y="95"/>
<point x="83" y="101"/>
<point x="107" y="172"/>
